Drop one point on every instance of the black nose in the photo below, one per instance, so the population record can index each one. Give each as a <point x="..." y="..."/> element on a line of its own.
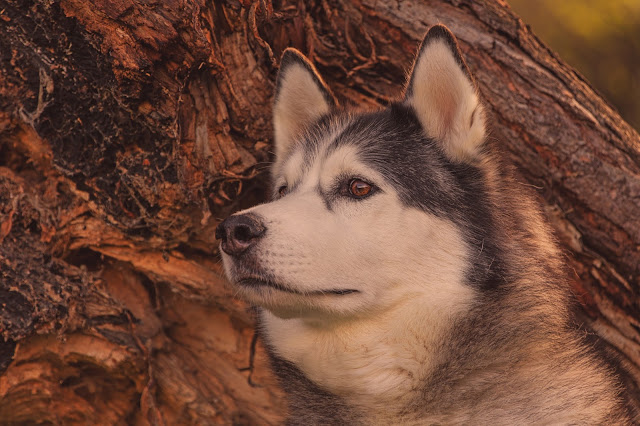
<point x="238" y="233"/>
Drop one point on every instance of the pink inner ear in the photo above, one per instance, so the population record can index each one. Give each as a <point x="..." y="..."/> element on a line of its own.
<point x="441" y="95"/>
<point x="445" y="101"/>
<point x="448" y="110"/>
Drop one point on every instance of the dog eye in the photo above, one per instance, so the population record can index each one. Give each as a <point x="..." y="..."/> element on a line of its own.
<point x="282" y="190"/>
<point x="359" y="188"/>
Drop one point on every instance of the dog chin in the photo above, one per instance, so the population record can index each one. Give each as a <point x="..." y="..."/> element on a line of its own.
<point x="283" y="304"/>
<point x="286" y="302"/>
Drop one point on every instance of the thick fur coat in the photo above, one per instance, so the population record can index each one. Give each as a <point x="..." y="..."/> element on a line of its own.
<point x="404" y="276"/>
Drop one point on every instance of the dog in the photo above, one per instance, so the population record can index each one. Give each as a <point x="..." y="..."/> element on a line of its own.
<point x="402" y="274"/>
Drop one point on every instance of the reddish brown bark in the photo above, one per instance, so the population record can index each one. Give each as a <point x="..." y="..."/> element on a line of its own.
<point x="128" y="130"/>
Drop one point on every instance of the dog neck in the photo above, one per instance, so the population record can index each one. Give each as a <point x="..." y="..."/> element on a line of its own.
<point x="373" y="361"/>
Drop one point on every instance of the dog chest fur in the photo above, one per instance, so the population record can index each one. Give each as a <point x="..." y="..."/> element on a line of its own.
<point x="402" y="274"/>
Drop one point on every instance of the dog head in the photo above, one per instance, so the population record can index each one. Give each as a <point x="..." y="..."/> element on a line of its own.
<point x="370" y="209"/>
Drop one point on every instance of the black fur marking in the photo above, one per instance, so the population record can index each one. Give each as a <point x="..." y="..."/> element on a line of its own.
<point x="315" y="134"/>
<point x="325" y="198"/>
<point x="393" y="142"/>
<point x="495" y="339"/>
<point x="307" y="401"/>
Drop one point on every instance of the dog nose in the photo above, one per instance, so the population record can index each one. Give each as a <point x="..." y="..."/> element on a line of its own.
<point x="238" y="233"/>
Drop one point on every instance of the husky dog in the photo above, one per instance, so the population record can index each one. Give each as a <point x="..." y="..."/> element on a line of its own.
<point x="402" y="274"/>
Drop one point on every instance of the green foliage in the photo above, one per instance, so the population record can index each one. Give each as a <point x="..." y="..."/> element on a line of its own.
<point x="601" y="38"/>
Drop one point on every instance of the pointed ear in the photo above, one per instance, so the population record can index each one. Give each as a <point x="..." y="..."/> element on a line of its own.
<point x="301" y="98"/>
<point x="443" y="95"/>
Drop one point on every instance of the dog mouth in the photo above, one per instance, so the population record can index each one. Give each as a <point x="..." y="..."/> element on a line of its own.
<point x="256" y="283"/>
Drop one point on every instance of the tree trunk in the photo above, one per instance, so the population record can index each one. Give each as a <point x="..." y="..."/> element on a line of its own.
<point x="128" y="130"/>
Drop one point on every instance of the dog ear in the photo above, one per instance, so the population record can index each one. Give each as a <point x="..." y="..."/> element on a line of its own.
<point x="301" y="98"/>
<point x="443" y="94"/>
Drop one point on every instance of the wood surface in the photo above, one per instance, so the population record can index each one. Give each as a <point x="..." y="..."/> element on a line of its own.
<point x="129" y="129"/>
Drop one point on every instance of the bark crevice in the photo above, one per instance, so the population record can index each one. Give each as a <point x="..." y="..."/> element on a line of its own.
<point x="128" y="131"/>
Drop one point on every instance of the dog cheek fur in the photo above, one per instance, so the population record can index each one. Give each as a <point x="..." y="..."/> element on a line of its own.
<point x="470" y="322"/>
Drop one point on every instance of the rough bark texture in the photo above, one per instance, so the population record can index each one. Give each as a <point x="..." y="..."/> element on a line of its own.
<point x="129" y="129"/>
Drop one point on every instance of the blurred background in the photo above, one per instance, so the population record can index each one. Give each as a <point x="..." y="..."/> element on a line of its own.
<point x="600" y="38"/>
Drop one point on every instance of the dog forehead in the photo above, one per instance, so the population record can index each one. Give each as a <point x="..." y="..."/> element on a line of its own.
<point x="312" y="148"/>
<point x="389" y="141"/>
<point x="342" y="130"/>
<point x="294" y="165"/>
<point x="343" y="161"/>
<point x="325" y="166"/>
<point x="309" y="145"/>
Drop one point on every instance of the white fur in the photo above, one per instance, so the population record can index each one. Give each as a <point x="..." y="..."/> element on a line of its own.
<point x="299" y="102"/>
<point x="446" y="102"/>
<point x="379" y="352"/>
<point x="369" y="343"/>
<point x="396" y="343"/>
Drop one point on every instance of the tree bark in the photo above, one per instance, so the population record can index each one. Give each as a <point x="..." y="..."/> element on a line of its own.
<point x="128" y="130"/>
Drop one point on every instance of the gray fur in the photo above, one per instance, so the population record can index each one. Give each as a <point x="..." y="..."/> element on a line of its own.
<point x="514" y="356"/>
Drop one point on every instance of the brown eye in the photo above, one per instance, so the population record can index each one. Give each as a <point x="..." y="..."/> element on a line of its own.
<point x="359" y="188"/>
<point x="282" y="190"/>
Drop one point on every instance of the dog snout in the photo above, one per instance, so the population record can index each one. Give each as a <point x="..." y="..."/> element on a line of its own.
<point x="238" y="233"/>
